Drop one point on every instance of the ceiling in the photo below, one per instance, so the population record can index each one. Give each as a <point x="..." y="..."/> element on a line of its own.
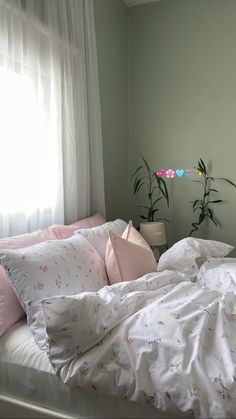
<point x="131" y="3"/>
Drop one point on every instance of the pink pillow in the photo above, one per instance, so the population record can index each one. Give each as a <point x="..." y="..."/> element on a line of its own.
<point x="128" y="257"/>
<point x="28" y="239"/>
<point x="62" y="231"/>
<point x="10" y="309"/>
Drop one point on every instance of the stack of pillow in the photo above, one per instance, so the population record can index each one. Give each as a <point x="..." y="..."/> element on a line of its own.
<point x="127" y="257"/>
<point x="10" y="309"/>
<point x="38" y="265"/>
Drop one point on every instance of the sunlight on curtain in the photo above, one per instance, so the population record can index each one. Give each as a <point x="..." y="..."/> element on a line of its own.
<point x="51" y="168"/>
<point x="28" y="143"/>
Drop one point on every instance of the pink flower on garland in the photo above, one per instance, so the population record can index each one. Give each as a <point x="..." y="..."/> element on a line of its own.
<point x="160" y="173"/>
<point x="170" y="174"/>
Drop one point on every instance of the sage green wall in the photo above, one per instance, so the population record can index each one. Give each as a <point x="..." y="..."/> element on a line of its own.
<point x="182" y="100"/>
<point x="111" y="21"/>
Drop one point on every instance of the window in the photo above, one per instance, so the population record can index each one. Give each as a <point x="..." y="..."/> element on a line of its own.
<point x="50" y="127"/>
<point x="31" y="179"/>
<point x="28" y="144"/>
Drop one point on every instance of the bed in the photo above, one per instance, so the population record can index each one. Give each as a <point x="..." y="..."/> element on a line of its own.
<point x="30" y="388"/>
<point x="161" y="345"/>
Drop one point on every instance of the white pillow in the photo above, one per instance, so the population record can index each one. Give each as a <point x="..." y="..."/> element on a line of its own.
<point x="184" y="255"/>
<point x="218" y="275"/>
<point x="98" y="236"/>
<point x="56" y="267"/>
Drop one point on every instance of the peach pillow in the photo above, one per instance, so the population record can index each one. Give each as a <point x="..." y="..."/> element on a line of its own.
<point x="128" y="257"/>
<point x="65" y="231"/>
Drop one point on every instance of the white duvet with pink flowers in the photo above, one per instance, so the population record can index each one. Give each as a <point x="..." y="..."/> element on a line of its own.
<point x="162" y="339"/>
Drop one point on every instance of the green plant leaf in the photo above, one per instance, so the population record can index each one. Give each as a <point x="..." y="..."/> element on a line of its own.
<point x="136" y="185"/>
<point x="164" y="190"/>
<point x="226" y="180"/>
<point x="154" y="188"/>
<point x="156" y="200"/>
<point x="204" y="205"/>
<point x="143" y="217"/>
<point x="146" y="164"/>
<point x="195" y="228"/>
<point x="196" y="202"/>
<point x="136" y="171"/>
<point x="135" y="181"/>
<point x="201" y="218"/>
<point x="210" y="212"/>
<point x="141" y="176"/>
<point x="200" y="169"/>
<point x="197" y="168"/>
<point x="213" y="190"/>
<point x="202" y="164"/>
<point x="212" y="219"/>
<point x="215" y="202"/>
<point x="142" y="206"/>
<point x="150" y="214"/>
<point x="140" y="186"/>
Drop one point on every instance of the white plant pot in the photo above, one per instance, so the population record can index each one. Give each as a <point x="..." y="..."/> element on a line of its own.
<point x="154" y="234"/>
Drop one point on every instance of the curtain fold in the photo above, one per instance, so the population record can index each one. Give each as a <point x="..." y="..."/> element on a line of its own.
<point x="51" y="160"/>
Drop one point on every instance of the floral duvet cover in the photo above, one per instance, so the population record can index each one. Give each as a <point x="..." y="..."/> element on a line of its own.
<point x="162" y="340"/>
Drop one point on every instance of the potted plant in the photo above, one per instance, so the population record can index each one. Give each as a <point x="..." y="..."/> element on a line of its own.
<point x="144" y="178"/>
<point x="204" y="205"/>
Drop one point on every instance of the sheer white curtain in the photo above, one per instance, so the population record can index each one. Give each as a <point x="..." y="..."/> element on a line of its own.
<point x="51" y="166"/>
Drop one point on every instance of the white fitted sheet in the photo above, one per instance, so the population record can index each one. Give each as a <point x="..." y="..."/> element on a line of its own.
<point x="26" y="374"/>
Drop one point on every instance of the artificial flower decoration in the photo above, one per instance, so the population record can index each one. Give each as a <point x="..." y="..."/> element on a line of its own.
<point x="180" y="172"/>
<point x="190" y="172"/>
<point x="160" y="173"/>
<point x="170" y="174"/>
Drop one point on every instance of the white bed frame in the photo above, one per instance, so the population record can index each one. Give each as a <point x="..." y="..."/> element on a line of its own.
<point x="11" y="408"/>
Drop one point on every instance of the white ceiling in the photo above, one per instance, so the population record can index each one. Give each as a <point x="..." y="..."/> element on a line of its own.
<point x="131" y="3"/>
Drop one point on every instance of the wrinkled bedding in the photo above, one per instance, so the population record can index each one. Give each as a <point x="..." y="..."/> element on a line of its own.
<point x="162" y="340"/>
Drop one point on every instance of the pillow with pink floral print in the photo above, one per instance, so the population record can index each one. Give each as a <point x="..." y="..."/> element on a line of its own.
<point x="56" y="267"/>
<point x="98" y="236"/>
<point x="10" y="309"/>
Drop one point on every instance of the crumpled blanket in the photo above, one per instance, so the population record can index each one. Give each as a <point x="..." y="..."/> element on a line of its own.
<point x="161" y="340"/>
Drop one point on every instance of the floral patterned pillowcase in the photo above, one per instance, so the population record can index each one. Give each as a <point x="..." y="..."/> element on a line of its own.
<point x="98" y="236"/>
<point x="55" y="267"/>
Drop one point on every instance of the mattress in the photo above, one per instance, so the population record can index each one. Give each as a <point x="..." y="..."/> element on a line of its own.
<point x="26" y="374"/>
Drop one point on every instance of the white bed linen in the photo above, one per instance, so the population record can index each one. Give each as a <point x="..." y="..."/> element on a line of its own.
<point x="161" y="339"/>
<point x="26" y="374"/>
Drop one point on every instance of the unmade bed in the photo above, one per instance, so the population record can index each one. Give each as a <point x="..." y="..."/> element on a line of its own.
<point x="26" y="375"/>
<point x="159" y="345"/>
